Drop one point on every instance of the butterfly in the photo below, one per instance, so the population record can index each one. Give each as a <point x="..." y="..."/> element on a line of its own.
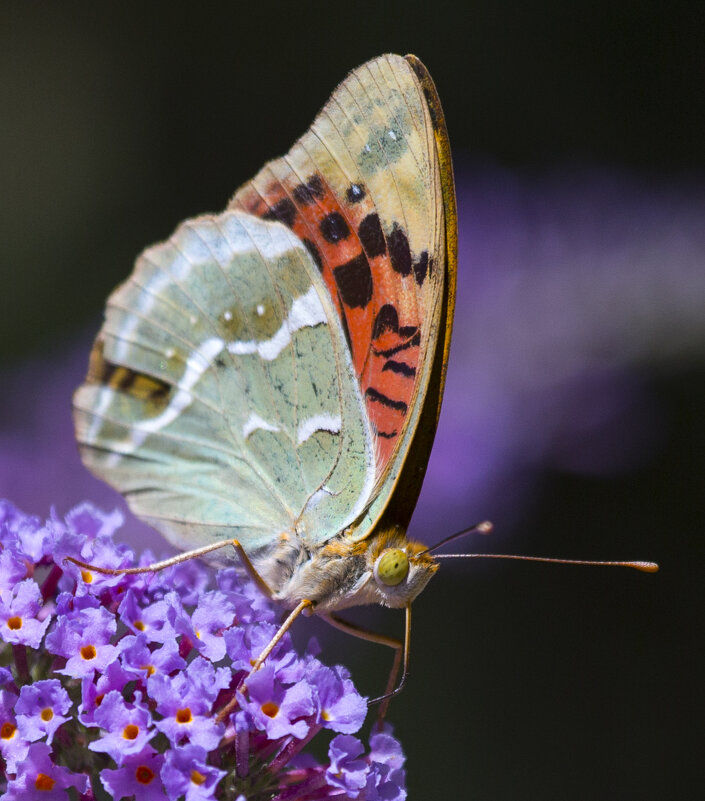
<point x="271" y="377"/>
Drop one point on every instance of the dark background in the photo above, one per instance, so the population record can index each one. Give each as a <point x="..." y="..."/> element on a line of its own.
<point x="527" y="680"/>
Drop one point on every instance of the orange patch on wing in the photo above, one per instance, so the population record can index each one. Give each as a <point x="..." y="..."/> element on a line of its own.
<point x="382" y="317"/>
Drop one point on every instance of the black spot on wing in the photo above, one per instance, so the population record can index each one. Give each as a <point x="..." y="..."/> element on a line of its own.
<point x="375" y="395"/>
<point x="334" y="228"/>
<point x="407" y="331"/>
<point x="421" y="268"/>
<point x="399" y="251"/>
<point x="124" y="378"/>
<point x="371" y="236"/>
<point x="401" y="368"/>
<point x="387" y="319"/>
<point x="385" y="434"/>
<point x="355" y="193"/>
<point x="314" y="252"/>
<point x="283" y="210"/>
<point x="346" y="329"/>
<point x="305" y="194"/>
<point x="354" y="281"/>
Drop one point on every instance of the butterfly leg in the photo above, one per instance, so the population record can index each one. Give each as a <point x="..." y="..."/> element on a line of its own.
<point x="183" y="557"/>
<point x="285" y="626"/>
<point x="401" y="651"/>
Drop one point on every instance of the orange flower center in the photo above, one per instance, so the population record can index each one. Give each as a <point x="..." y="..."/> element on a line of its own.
<point x="7" y="731"/>
<point x="14" y="623"/>
<point x="197" y="778"/>
<point x="44" y="782"/>
<point x="89" y="652"/>
<point x="144" y="775"/>
<point x="87" y="576"/>
<point x="139" y="625"/>
<point x="183" y="715"/>
<point x="130" y="731"/>
<point x="47" y="714"/>
<point x="270" y="709"/>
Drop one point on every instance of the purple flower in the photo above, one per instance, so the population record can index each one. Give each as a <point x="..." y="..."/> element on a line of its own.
<point x="39" y="779"/>
<point x="185" y="703"/>
<point x="26" y="534"/>
<point x="84" y="639"/>
<point x="127" y="727"/>
<point x="340" y="707"/>
<point x="138" y="776"/>
<point x="250" y="604"/>
<point x="90" y="522"/>
<point x="387" y="779"/>
<point x="156" y="621"/>
<point x="137" y="658"/>
<point x="275" y="709"/>
<point x="212" y="616"/>
<point x="245" y="643"/>
<point x="41" y="709"/>
<point x="14" y="568"/>
<point x="13" y="746"/>
<point x="186" y="772"/>
<point x="93" y="693"/>
<point x="101" y="551"/>
<point x="347" y="771"/>
<point x="188" y="579"/>
<point x="19" y="611"/>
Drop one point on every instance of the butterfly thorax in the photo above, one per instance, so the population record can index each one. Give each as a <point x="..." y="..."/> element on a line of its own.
<point x="346" y="572"/>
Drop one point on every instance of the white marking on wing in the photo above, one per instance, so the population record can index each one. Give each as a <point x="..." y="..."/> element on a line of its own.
<point x="196" y="365"/>
<point x="255" y="422"/>
<point x="319" y="422"/>
<point x="306" y="311"/>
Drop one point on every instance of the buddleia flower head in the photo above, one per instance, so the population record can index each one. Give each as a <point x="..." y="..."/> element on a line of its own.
<point x="114" y="684"/>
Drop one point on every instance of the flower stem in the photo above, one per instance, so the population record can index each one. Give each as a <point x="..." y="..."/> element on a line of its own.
<point x="290" y="750"/>
<point x="242" y="753"/>
<point x="19" y="652"/>
<point x="51" y="582"/>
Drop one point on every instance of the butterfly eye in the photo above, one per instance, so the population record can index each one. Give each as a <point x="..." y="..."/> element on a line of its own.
<point x="392" y="567"/>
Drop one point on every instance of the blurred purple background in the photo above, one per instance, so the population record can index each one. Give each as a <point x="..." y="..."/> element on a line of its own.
<point x="573" y="415"/>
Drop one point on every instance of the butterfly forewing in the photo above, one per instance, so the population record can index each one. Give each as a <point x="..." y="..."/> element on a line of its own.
<point x="361" y="189"/>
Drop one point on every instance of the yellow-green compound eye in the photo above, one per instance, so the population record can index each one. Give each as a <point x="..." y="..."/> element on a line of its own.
<point x="392" y="567"/>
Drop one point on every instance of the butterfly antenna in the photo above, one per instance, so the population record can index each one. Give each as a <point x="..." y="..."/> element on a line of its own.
<point x="645" y="567"/>
<point x="479" y="528"/>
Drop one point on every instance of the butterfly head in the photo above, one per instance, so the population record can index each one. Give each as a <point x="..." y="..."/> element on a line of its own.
<point x="401" y="568"/>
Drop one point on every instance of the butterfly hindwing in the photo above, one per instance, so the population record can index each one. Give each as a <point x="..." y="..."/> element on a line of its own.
<point x="220" y="397"/>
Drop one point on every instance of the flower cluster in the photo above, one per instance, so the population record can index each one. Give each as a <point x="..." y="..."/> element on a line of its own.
<point x="113" y="684"/>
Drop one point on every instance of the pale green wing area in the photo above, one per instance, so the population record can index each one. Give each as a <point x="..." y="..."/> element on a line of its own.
<point x="221" y="400"/>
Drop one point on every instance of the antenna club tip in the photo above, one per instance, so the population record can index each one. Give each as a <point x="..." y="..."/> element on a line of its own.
<point x="485" y="527"/>
<point x="646" y="567"/>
